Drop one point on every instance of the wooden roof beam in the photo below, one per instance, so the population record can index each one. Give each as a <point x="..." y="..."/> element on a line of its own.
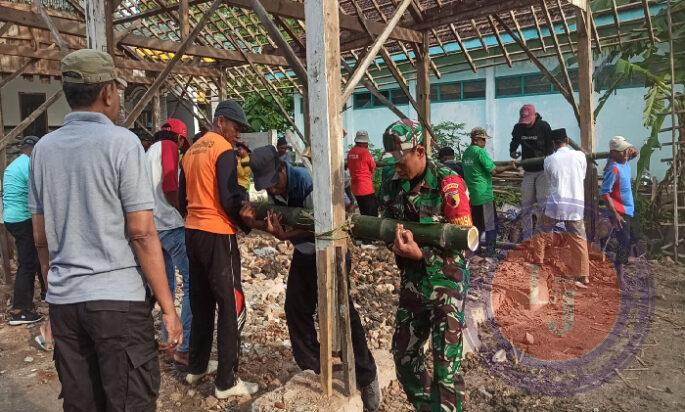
<point x="560" y="56"/>
<point x="67" y="26"/>
<point x="294" y="61"/>
<point x="461" y="11"/>
<point x="53" y="54"/>
<point x="567" y="93"/>
<point x="377" y="45"/>
<point x="501" y="44"/>
<point x="161" y="78"/>
<point x="286" y="8"/>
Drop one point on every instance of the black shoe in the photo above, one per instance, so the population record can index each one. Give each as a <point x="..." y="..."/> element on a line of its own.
<point x="24" y="317"/>
<point x="372" y="397"/>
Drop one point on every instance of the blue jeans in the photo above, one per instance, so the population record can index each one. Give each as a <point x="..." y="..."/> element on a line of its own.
<point x="174" y="251"/>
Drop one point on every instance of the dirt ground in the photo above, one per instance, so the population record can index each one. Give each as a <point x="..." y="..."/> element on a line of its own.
<point x="653" y="379"/>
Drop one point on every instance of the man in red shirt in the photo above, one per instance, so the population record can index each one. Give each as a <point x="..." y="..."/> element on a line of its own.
<point x="361" y="166"/>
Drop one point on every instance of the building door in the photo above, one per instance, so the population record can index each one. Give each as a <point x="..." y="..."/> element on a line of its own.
<point x="28" y="102"/>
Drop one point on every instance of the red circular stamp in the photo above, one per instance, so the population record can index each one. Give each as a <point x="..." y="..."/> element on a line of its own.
<point x="541" y="309"/>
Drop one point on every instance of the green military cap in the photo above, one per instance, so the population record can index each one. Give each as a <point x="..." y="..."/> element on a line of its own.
<point x="408" y="131"/>
<point x="479" y="132"/>
<point x="89" y="66"/>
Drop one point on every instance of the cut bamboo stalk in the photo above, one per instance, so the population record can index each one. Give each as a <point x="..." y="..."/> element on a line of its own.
<point x="442" y="235"/>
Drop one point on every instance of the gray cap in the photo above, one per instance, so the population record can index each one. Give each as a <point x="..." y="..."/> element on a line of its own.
<point x="29" y="141"/>
<point x="232" y="110"/>
<point x="362" y="137"/>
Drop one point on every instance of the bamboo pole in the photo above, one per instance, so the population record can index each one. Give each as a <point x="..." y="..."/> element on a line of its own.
<point x="538" y="161"/>
<point x="441" y="235"/>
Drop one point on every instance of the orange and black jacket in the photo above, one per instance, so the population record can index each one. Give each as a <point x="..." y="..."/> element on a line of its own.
<point x="209" y="195"/>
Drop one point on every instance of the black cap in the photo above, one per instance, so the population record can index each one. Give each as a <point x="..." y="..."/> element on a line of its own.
<point x="244" y="146"/>
<point x="559" y="135"/>
<point x="446" y="151"/>
<point x="265" y="163"/>
<point x="30" y="141"/>
<point x="231" y="110"/>
<point x="281" y="141"/>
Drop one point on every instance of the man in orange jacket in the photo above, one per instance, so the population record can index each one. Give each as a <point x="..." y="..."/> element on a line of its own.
<point x="210" y="198"/>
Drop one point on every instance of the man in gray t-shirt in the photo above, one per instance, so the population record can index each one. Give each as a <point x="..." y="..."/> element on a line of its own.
<point x="91" y="200"/>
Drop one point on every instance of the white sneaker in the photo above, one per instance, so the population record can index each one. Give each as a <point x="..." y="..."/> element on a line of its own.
<point x="241" y="388"/>
<point x="211" y="368"/>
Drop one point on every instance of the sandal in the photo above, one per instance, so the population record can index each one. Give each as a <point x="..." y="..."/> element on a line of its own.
<point x="43" y="344"/>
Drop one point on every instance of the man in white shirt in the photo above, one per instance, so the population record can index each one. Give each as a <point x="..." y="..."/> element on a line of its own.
<point x="565" y="172"/>
<point x="162" y="156"/>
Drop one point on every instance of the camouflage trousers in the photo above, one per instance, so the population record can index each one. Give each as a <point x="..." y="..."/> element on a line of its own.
<point x="431" y="307"/>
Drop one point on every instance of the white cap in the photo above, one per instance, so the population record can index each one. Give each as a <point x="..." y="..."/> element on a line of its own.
<point x="619" y="143"/>
<point x="362" y="137"/>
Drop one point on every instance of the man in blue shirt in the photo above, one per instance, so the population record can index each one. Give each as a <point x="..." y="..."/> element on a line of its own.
<point x="292" y="186"/>
<point x="17" y="218"/>
<point x="617" y="193"/>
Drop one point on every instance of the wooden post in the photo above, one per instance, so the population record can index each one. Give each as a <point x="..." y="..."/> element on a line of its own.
<point x="183" y="17"/>
<point x="345" y="325"/>
<point x="156" y="112"/>
<point x="99" y="33"/>
<point x="323" y="75"/>
<point x="221" y="92"/>
<point x="588" y="141"/>
<point x="135" y="112"/>
<point x="423" y="87"/>
<point x="4" y="242"/>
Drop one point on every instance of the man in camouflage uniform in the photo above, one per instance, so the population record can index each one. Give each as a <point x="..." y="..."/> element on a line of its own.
<point x="434" y="281"/>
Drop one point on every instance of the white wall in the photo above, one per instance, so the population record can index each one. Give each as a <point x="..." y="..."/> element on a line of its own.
<point x="10" y="99"/>
<point x="622" y="115"/>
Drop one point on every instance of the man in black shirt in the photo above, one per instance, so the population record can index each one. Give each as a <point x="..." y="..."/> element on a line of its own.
<point x="534" y="136"/>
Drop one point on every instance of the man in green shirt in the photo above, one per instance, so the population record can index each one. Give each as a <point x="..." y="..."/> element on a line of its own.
<point x="478" y="172"/>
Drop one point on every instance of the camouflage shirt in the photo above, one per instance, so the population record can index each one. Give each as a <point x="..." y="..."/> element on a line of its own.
<point x="440" y="197"/>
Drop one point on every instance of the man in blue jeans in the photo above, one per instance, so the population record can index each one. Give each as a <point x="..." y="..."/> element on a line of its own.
<point x="163" y="159"/>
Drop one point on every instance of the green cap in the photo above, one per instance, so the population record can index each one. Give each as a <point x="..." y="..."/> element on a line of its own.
<point x="479" y="132"/>
<point x="89" y="66"/>
<point x="408" y="131"/>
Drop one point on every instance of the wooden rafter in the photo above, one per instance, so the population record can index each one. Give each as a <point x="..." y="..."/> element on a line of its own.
<point x="161" y="78"/>
<point x="537" y="27"/>
<point x="287" y="8"/>
<point x="565" y="91"/>
<point x="56" y="36"/>
<point x="648" y="17"/>
<point x="463" y="48"/>
<point x="505" y="53"/>
<point x="560" y="55"/>
<point x="617" y="21"/>
<point x="378" y="43"/>
<point x="565" y="24"/>
<point x="66" y="26"/>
